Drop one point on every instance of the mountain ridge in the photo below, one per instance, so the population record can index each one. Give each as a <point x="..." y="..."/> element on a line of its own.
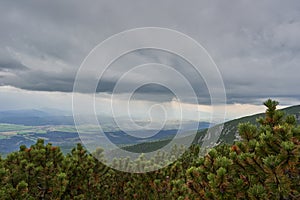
<point x="228" y="134"/>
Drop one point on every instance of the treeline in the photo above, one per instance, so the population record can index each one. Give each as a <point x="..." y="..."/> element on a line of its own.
<point x="263" y="165"/>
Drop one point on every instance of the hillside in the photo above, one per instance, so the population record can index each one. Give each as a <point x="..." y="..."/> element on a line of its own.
<point x="228" y="135"/>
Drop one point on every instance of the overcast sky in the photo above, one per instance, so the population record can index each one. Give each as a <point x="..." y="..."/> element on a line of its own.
<point x="255" y="44"/>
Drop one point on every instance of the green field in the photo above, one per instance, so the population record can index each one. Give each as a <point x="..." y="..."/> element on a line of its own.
<point x="13" y="127"/>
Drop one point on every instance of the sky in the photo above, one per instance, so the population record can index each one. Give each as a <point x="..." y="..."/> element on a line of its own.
<point x="254" y="44"/>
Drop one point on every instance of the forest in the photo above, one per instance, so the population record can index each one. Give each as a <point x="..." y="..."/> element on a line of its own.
<point x="264" y="164"/>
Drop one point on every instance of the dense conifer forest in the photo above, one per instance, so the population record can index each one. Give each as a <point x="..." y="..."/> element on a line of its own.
<point x="264" y="164"/>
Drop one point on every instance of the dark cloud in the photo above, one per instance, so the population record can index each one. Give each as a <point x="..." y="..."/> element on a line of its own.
<point x="12" y="66"/>
<point x="8" y="63"/>
<point x="256" y="45"/>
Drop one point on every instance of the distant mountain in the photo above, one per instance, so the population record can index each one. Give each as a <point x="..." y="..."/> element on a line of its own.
<point x="35" y="117"/>
<point x="23" y="113"/>
<point x="56" y="112"/>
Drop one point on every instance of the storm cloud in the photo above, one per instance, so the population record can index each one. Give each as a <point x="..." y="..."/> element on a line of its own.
<point x="255" y="44"/>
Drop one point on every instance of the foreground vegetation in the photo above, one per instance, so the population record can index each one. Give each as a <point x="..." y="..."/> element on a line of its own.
<point x="263" y="165"/>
